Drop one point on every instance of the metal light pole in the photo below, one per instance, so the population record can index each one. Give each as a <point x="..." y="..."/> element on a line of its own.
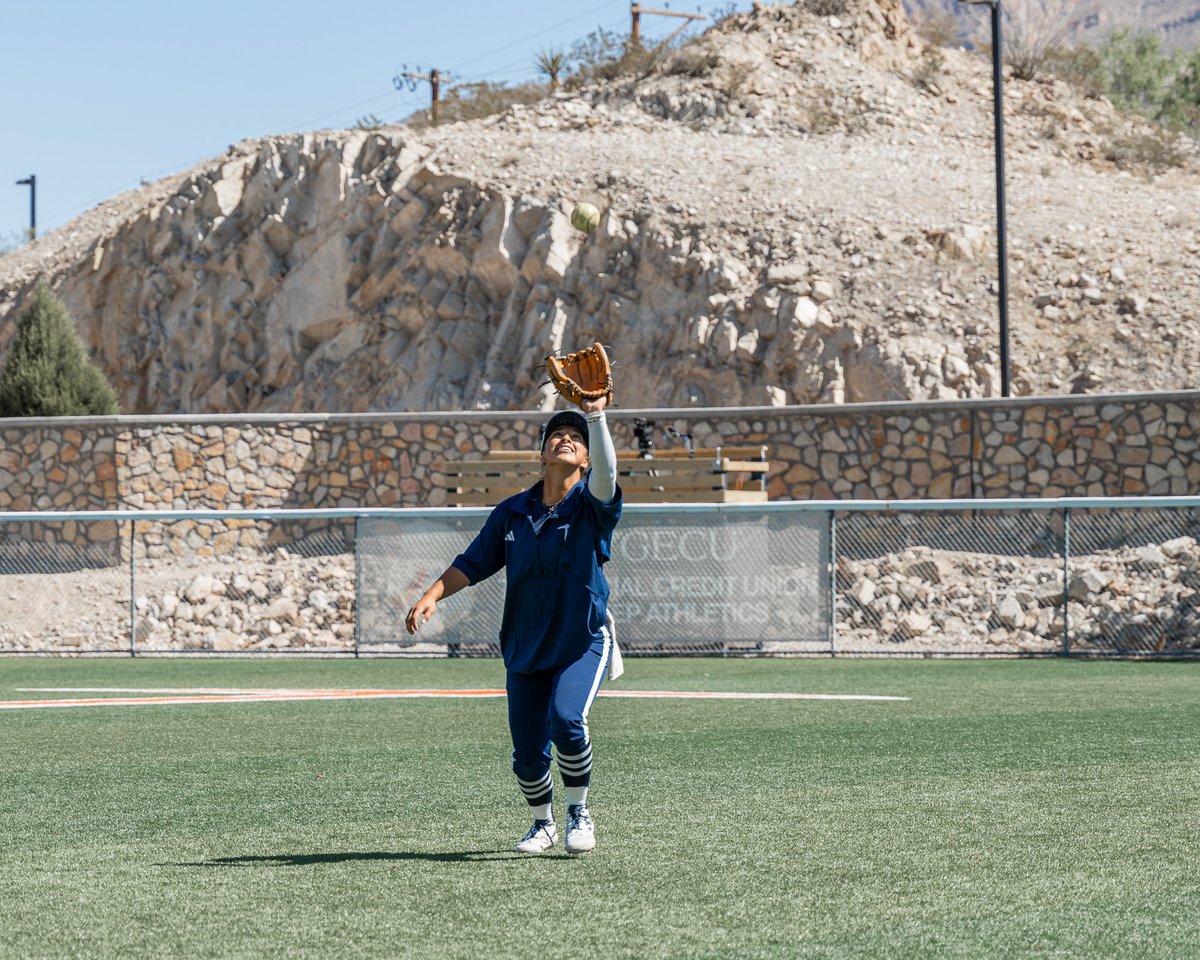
<point x="1001" y="224"/>
<point x="31" y="182"/>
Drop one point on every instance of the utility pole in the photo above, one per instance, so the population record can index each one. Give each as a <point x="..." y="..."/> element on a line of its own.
<point x="635" y="26"/>
<point x="31" y="183"/>
<point x="1001" y="216"/>
<point x="433" y="78"/>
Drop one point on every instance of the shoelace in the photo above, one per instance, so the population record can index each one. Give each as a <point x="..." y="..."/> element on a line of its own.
<point x="578" y="818"/>
<point x="535" y="830"/>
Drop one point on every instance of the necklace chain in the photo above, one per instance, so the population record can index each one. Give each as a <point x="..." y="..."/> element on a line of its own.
<point x="551" y="514"/>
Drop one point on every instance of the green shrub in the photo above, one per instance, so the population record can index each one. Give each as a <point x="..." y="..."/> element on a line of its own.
<point x="1182" y="105"/>
<point x="1138" y="75"/>
<point x="47" y="372"/>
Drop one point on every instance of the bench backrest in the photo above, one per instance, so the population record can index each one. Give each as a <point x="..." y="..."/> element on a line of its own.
<point x="717" y="475"/>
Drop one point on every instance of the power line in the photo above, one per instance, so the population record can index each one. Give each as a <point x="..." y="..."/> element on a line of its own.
<point x="490" y="74"/>
<point x="482" y="76"/>
<point x="338" y="112"/>
<point x="141" y="181"/>
<point x="527" y="60"/>
<point x="509" y="46"/>
<point x="154" y="175"/>
<point x="512" y="70"/>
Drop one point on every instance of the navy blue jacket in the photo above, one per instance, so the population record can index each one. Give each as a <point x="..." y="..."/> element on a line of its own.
<point x="556" y="597"/>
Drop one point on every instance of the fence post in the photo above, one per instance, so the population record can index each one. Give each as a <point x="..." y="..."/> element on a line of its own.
<point x="832" y="583"/>
<point x="1066" y="637"/>
<point x="132" y="591"/>
<point x="357" y="584"/>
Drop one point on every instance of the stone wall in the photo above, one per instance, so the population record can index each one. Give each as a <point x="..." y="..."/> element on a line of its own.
<point x="1065" y="446"/>
<point x="1086" y="446"/>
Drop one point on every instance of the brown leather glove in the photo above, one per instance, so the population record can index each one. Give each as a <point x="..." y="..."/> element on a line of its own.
<point x="584" y="375"/>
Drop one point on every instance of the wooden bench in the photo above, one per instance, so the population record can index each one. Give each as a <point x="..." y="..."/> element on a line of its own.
<point x="732" y="474"/>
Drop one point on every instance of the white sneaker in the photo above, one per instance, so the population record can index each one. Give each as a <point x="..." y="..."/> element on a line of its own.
<point x="540" y="838"/>
<point x="581" y="833"/>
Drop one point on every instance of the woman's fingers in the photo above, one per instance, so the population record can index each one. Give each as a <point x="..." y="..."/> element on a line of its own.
<point x="420" y="613"/>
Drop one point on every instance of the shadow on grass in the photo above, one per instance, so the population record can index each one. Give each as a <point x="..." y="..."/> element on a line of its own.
<point x="350" y="856"/>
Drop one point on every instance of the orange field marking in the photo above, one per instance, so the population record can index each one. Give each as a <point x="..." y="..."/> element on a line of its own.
<point x="178" y="695"/>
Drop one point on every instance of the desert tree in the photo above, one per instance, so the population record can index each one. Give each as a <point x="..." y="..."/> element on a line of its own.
<point x="47" y="372"/>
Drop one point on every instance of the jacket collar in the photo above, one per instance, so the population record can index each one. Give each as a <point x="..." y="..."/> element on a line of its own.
<point x="565" y="507"/>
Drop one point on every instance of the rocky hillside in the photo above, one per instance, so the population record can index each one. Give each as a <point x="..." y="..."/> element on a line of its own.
<point x="1175" y="22"/>
<point x="797" y="208"/>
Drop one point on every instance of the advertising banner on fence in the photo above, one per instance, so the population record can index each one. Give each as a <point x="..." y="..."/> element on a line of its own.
<point x="703" y="581"/>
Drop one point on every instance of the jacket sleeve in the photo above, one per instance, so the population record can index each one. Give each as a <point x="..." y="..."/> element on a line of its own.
<point x="485" y="555"/>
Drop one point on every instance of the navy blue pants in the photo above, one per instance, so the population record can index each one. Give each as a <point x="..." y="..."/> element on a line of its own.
<point x="551" y="707"/>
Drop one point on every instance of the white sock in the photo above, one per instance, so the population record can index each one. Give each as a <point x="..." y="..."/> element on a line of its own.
<point x="575" y="795"/>
<point x="543" y="811"/>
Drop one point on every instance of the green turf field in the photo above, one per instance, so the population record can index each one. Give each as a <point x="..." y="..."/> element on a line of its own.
<point x="1010" y="809"/>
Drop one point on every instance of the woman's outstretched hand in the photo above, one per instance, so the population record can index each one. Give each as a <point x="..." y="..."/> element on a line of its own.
<point x="420" y="613"/>
<point x="448" y="584"/>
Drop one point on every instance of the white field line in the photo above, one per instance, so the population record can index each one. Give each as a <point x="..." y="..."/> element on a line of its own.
<point x="185" y="695"/>
<point x="175" y="698"/>
<point x="218" y="691"/>
<point x="716" y="695"/>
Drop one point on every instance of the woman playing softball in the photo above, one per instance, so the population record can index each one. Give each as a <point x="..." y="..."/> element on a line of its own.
<point x="555" y="635"/>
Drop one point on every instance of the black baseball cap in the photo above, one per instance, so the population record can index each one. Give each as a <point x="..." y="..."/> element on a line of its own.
<point x="566" y="418"/>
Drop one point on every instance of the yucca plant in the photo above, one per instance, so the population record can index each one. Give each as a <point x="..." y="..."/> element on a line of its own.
<point x="550" y="63"/>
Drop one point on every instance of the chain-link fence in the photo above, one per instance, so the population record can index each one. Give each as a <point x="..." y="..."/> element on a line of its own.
<point x="688" y="580"/>
<point x="967" y="578"/>
<point x="399" y="556"/>
<point x="63" y="585"/>
<point x="962" y="581"/>
<point x="1135" y="581"/>
<point x="258" y="586"/>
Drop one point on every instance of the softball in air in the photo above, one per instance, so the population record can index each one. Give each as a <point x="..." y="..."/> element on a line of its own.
<point x="585" y="217"/>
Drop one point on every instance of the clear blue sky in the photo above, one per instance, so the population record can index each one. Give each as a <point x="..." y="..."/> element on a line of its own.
<point x="96" y="96"/>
